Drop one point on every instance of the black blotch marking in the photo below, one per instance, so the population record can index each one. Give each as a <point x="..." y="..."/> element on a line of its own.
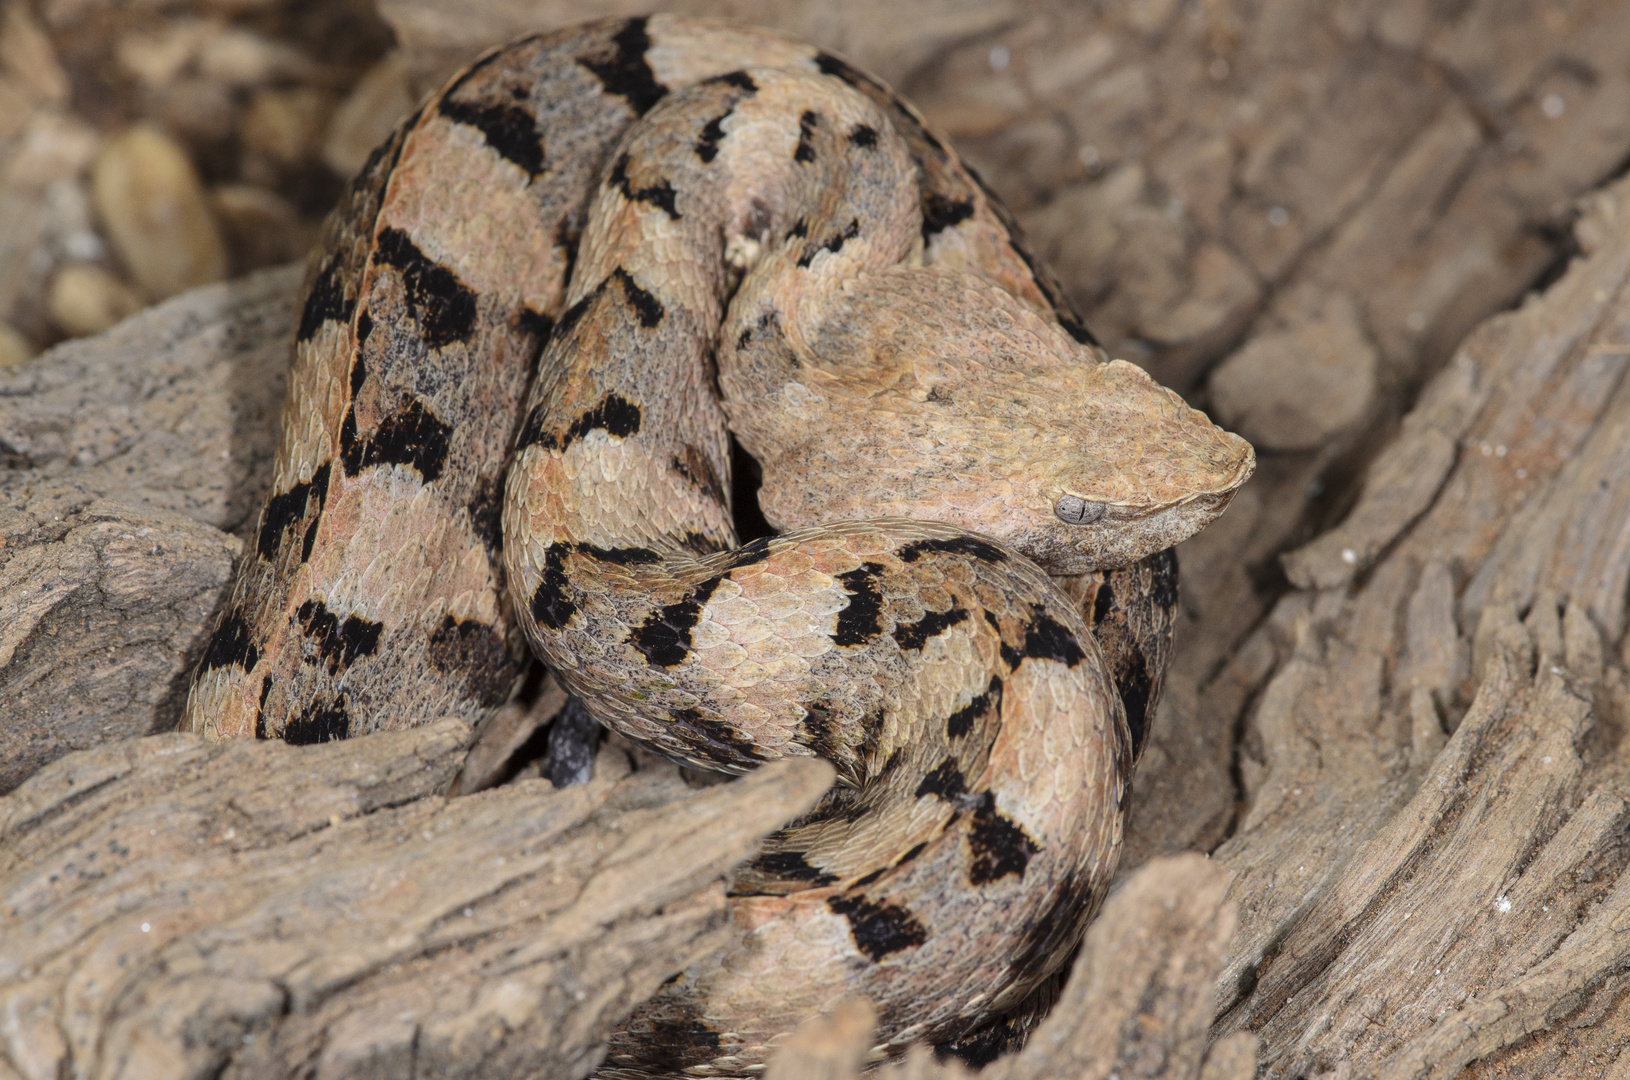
<point x="645" y="305"/>
<point x="863" y="136"/>
<point x="552" y="604"/>
<point x="739" y="79"/>
<point x="319" y="723"/>
<point x="799" y="230"/>
<point x="1134" y="685"/>
<point x="720" y="742"/>
<point x="486" y="510"/>
<point x="941" y="213"/>
<point x="1045" y="638"/>
<point x="961" y="722"/>
<point x="1000" y="846"/>
<point x="615" y="415"/>
<point x="912" y="854"/>
<point x="791" y="864"/>
<point x="660" y="195"/>
<point x="622" y="556"/>
<point x="626" y="72"/>
<point x="945" y="781"/>
<point x="1076" y="328"/>
<point x="339" y="644"/>
<point x="939" y="395"/>
<point x="748" y="554"/>
<point x="442" y="305"/>
<point x="707" y="143"/>
<point x="260" y="710"/>
<point x="664" y="638"/>
<point x="861" y="620"/>
<point x="805" y="151"/>
<point x="412" y="436"/>
<point x="509" y="129"/>
<point x="971" y="546"/>
<point x="365" y="326"/>
<point x="536" y="325"/>
<point x="1103" y="602"/>
<point x="476" y="651"/>
<point x="288" y="508"/>
<point x="932" y="624"/>
<point x="862" y="882"/>
<point x="1010" y="656"/>
<point x="828" y="64"/>
<point x="694" y="468"/>
<point x="1163" y="579"/>
<point x="834" y="244"/>
<point x="325" y="302"/>
<point x="230" y="644"/>
<point x="879" y="928"/>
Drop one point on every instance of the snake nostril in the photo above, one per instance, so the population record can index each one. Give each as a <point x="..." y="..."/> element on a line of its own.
<point x="1074" y="510"/>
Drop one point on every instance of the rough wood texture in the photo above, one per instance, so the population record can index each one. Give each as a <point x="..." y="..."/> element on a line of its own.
<point x="1406" y="906"/>
<point x="174" y="909"/>
<point x="1246" y="198"/>
<point x="126" y="455"/>
<point x="100" y="606"/>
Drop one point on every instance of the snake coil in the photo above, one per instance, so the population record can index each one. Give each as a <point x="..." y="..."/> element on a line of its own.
<point x="526" y="336"/>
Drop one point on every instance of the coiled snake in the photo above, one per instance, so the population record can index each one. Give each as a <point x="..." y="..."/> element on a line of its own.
<point x="680" y="225"/>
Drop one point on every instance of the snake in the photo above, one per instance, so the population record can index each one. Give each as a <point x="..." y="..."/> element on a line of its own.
<point x="533" y="329"/>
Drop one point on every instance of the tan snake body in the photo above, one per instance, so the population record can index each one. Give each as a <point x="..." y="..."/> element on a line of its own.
<point x="782" y="227"/>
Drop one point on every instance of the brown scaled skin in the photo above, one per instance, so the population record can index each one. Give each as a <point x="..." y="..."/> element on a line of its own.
<point x="973" y="717"/>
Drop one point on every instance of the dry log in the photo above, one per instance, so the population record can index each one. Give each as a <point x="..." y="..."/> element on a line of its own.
<point x="174" y="909"/>
<point x="126" y="455"/>
<point x="100" y="607"/>
<point x="1409" y="906"/>
<point x="1343" y="189"/>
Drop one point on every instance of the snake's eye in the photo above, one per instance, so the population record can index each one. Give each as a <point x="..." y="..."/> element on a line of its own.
<point x="1074" y="510"/>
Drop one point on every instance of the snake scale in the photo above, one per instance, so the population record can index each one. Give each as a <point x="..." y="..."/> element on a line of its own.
<point x="523" y="337"/>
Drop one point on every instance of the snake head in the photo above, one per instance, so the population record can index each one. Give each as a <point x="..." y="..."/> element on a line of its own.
<point x="937" y="395"/>
<point x="1138" y="471"/>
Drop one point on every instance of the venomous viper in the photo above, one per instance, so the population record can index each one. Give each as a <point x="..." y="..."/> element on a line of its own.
<point x="677" y="225"/>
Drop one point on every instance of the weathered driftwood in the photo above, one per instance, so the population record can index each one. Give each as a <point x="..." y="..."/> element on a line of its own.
<point x="126" y="456"/>
<point x="1409" y="906"/>
<point x="1331" y="208"/>
<point x="174" y="909"/>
